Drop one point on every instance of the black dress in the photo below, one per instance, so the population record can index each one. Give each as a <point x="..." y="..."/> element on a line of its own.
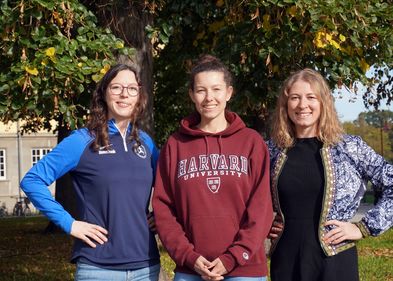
<point x="298" y="255"/>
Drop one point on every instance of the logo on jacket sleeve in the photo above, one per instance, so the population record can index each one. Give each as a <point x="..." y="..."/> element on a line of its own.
<point x="213" y="184"/>
<point x="246" y="256"/>
<point x="140" y="151"/>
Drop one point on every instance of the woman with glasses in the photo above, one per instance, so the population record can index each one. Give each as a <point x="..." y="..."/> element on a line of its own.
<point x="112" y="163"/>
<point x="212" y="198"/>
<point x="319" y="177"/>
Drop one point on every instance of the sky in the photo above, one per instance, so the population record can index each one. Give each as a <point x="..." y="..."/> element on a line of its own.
<point x="348" y="106"/>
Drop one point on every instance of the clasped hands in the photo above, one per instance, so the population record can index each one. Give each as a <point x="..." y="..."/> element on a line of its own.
<point x="210" y="270"/>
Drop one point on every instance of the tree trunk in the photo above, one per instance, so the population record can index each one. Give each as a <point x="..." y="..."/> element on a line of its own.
<point x="64" y="191"/>
<point x="128" y="20"/>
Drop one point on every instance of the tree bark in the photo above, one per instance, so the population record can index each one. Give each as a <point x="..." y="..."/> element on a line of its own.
<point x="64" y="191"/>
<point x="128" y="20"/>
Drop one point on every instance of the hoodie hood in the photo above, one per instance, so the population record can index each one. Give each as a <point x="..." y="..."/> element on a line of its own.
<point x="188" y="125"/>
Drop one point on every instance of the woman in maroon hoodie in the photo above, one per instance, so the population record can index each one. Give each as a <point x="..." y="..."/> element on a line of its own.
<point x="212" y="198"/>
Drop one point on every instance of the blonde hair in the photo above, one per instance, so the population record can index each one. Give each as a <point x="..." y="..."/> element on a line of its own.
<point x="329" y="129"/>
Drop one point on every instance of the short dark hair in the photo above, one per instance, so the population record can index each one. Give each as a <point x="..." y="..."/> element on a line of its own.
<point x="209" y="63"/>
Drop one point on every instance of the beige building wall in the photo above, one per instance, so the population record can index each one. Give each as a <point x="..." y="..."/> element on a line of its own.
<point x="18" y="159"/>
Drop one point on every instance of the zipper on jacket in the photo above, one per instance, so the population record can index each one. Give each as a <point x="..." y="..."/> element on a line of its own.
<point x="124" y="137"/>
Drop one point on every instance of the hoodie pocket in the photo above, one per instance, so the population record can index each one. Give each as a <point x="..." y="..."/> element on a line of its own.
<point x="212" y="235"/>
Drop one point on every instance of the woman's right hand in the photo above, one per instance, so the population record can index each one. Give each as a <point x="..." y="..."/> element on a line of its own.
<point x="202" y="266"/>
<point x="151" y="222"/>
<point x="89" y="233"/>
<point x="277" y="227"/>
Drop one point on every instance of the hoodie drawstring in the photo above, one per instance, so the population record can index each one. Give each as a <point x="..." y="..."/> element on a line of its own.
<point x="207" y="144"/>
<point x="219" y="144"/>
<point x="219" y="141"/>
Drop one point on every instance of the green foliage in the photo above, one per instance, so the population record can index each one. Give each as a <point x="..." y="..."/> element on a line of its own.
<point x="376" y="257"/>
<point x="374" y="128"/>
<point x="52" y="53"/>
<point x="167" y="264"/>
<point x="378" y="119"/>
<point x="381" y="89"/>
<point x="262" y="42"/>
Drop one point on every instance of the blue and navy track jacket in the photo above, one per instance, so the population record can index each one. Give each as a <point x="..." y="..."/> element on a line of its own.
<point x="113" y="187"/>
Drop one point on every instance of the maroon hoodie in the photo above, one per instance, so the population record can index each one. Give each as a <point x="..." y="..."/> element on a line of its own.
<point x="212" y="197"/>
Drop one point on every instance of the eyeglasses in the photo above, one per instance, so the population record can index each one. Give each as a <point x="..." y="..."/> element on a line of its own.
<point x="117" y="89"/>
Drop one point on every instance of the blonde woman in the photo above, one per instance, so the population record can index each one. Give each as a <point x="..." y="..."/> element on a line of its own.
<point x="318" y="177"/>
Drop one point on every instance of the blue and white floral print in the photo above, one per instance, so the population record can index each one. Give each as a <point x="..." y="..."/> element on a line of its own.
<point x="349" y="166"/>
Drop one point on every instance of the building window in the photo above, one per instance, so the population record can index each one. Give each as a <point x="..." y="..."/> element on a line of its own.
<point x="2" y="164"/>
<point x="38" y="153"/>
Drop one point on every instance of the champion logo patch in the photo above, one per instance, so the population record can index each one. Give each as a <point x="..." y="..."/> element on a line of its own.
<point x="140" y="151"/>
<point x="213" y="184"/>
<point x="245" y="256"/>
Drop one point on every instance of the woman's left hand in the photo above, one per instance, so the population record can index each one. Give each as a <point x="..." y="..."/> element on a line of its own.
<point x="343" y="231"/>
<point x="151" y="221"/>
<point x="218" y="268"/>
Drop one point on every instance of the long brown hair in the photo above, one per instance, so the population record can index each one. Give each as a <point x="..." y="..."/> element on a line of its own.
<point x="329" y="129"/>
<point x="98" y="115"/>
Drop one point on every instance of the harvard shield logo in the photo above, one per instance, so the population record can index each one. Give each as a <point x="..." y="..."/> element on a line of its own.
<point x="213" y="184"/>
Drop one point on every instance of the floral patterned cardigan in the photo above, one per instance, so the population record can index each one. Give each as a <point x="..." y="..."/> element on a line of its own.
<point x="348" y="166"/>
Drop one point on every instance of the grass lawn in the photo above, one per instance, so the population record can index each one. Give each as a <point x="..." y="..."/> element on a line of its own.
<point x="27" y="254"/>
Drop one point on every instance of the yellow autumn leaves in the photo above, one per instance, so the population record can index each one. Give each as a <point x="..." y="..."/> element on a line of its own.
<point x="324" y="39"/>
<point x="51" y="54"/>
<point x="32" y="71"/>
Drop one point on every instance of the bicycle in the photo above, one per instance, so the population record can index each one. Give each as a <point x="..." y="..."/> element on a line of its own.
<point x="20" y="210"/>
<point x="3" y="210"/>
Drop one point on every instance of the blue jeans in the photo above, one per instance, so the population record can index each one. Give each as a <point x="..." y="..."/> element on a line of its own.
<point x="190" y="277"/>
<point x="87" y="272"/>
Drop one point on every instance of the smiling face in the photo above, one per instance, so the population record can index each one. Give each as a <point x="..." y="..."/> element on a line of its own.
<point x="121" y="106"/>
<point x="304" y="109"/>
<point x="210" y="96"/>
